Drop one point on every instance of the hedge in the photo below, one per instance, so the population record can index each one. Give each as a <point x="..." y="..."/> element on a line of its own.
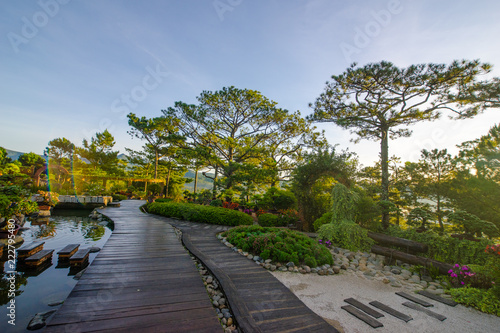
<point x="199" y="213"/>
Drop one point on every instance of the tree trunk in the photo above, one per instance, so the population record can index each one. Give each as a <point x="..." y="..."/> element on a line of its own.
<point x="214" y="189"/>
<point x="411" y="246"/>
<point x="168" y="181"/>
<point x="384" y="162"/>
<point x="195" y="180"/>
<point x="412" y="259"/>
<point x="156" y="164"/>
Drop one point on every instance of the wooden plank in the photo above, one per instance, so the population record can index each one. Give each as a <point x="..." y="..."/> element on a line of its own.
<point x="438" y="298"/>
<point x="424" y="310"/>
<point x="362" y="316"/>
<point x="79" y="257"/>
<point x="391" y="311"/>
<point x="68" y="251"/>
<point x="414" y="299"/>
<point x="38" y="258"/>
<point x="363" y="307"/>
<point x="28" y="250"/>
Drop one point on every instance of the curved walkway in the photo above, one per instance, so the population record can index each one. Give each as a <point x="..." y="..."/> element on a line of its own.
<point x="143" y="279"/>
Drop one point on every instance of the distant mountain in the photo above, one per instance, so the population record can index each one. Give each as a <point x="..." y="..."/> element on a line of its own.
<point x="14" y="155"/>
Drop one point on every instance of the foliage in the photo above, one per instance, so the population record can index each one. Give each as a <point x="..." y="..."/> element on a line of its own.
<point x="472" y="225"/>
<point x="483" y="300"/>
<point x="344" y="203"/>
<point x="154" y="188"/>
<point x="31" y="161"/>
<point x="61" y="152"/>
<point x="268" y="220"/>
<point x="419" y="217"/>
<point x="322" y="163"/>
<point x="216" y="203"/>
<point x="119" y="197"/>
<point x="492" y="267"/>
<point x="199" y="213"/>
<point x="230" y="205"/>
<point x="240" y="128"/>
<point x="159" y="200"/>
<point x="464" y="276"/>
<point x="280" y="245"/>
<point x="324" y="219"/>
<point x="379" y="101"/>
<point x="346" y="234"/>
<point x="446" y="248"/>
<point x="98" y="152"/>
<point x="49" y="198"/>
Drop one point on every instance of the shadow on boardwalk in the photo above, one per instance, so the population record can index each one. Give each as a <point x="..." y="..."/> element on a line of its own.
<point x="144" y="280"/>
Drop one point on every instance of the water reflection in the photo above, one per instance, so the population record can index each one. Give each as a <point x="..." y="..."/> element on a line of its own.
<point x="35" y="288"/>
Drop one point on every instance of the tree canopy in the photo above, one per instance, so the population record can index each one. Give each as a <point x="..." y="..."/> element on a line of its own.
<point x="379" y="100"/>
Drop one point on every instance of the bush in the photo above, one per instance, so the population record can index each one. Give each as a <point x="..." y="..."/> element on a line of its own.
<point x="216" y="203"/>
<point x="346" y="234"/>
<point x="324" y="219"/>
<point x="280" y="245"/>
<point x="198" y="213"/>
<point x="119" y="197"/>
<point x="164" y="200"/>
<point x="483" y="300"/>
<point x="268" y="220"/>
<point x="445" y="248"/>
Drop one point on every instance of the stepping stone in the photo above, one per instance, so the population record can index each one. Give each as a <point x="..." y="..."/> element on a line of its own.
<point x="79" y="258"/>
<point x="424" y="310"/>
<point x="28" y="250"/>
<point x="362" y="316"/>
<point x="364" y="307"/>
<point x="68" y="251"/>
<point x="38" y="258"/>
<point x="391" y="311"/>
<point x="437" y="298"/>
<point x="414" y="299"/>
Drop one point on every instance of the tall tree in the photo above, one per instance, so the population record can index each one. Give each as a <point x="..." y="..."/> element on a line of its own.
<point x="374" y="101"/>
<point x="240" y="126"/>
<point x="100" y="155"/>
<point x="61" y="151"/>
<point x="31" y="161"/>
<point x="159" y="132"/>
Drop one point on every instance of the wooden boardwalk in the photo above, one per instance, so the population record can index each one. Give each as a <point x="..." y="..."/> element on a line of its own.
<point x="258" y="300"/>
<point x="142" y="280"/>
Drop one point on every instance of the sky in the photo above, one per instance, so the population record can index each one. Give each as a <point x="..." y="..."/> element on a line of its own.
<point x="72" y="68"/>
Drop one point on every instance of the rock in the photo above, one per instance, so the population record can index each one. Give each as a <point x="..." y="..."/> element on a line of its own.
<point x="430" y="288"/>
<point x="94" y="249"/>
<point x="307" y="269"/>
<point x="222" y="301"/>
<point x="395" y="271"/>
<point x="267" y="266"/>
<point x="209" y="279"/>
<point x="423" y="283"/>
<point x="227" y="315"/>
<point x="55" y="303"/>
<point x="426" y="278"/>
<point x="385" y="280"/>
<point x="330" y="271"/>
<point x="396" y="284"/>
<point x="321" y="272"/>
<point x="250" y="256"/>
<point x="38" y="321"/>
<point x="230" y="322"/>
<point x="436" y="291"/>
<point x="290" y="269"/>
<point x="79" y="274"/>
<point x="282" y="269"/>
<point x="415" y="279"/>
<point x="216" y="298"/>
<point x="273" y="268"/>
<point x="215" y="303"/>
<point x="257" y="258"/>
<point x="290" y="264"/>
<point x="268" y="261"/>
<point x="343" y="266"/>
<point x="370" y="273"/>
<point x="220" y="315"/>
<point x="336" y="269"/>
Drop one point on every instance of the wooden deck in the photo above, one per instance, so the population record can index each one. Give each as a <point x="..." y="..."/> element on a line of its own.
<point x="142" y="280"/>
<point x="258" y="300"/>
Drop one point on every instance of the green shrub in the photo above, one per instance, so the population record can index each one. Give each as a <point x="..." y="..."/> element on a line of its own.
<point x="445" y="248"/>
<point x="216" y="203"/>
<point x="280" y="245"/>
<point x="346" y="234"/>
<point x="119" y="197"/>
<point x="268" y="220"/>
<point x="324" y="219"/>
<point x="198" y="213"/>
<point x="483" y="300"/>
<point x="163" y="200"/>
<point x="284" y="200"/>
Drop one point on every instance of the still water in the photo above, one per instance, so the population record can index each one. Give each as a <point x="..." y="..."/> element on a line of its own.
<point x="37" y="289"/>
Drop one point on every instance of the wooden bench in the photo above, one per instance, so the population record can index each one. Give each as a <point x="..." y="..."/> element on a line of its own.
<point x="79" y="258"/>
<point x="28" y="250"/>
<point x="68" y="251"/>
<point x="38" y="258"/>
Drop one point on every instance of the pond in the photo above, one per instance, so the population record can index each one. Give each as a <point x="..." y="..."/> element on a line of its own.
<point x="36" y="289"/>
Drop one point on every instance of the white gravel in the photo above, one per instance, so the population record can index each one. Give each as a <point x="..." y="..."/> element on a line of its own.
<point x="325" y="295"/>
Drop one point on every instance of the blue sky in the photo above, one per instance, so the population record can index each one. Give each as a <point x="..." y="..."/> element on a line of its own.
<point x="73" y="68"/>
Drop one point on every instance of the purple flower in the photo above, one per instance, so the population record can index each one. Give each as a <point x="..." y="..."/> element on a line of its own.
<point x="462" y="282"/>
<point x="465" y="268"/>
<point x="453" y="275"/>
<point x="450" y="271"/>
<point x="457" y="266"/>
